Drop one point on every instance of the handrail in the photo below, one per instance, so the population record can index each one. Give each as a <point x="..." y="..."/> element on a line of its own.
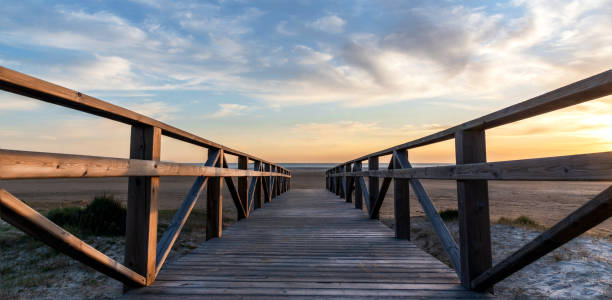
<point x="25" y="85"/>
<point x="472" y="172"/>
<point x="144" y="257"/>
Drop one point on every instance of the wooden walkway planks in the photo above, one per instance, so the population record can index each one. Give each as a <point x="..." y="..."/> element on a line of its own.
<point x="307" y="243"/>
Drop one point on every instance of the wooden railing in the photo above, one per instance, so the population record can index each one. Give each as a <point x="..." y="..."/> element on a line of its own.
<point x="471" y="258"/>
<point x="144" y="256"/>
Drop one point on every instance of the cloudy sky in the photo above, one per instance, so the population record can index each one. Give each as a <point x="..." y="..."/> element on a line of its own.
<point x="307" y="81"/>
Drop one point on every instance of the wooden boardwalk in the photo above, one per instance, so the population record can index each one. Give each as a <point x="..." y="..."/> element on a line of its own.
<point x="306" y="243"/>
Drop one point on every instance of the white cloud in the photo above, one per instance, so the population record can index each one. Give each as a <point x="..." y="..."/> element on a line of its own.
<point x="229" y="110"/>
<point x="9" y="103"/>
<point x="281" y="28"/>
<point x="330" y="24"/>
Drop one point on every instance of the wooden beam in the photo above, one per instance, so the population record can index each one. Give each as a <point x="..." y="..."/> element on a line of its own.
<point x="243" y="185"/>
<point x="594" y="87"/>
<point x="366" y="195"/>
<point x="255" y="189"/>
<point x="29" y="165"/>
<point x="373" y="187"/>
<point x="214" y="203"/>
<point x="581" y="167"/>
<point x="347" y="184"/>
<point x="358" y="192"/>
<point x="240" y="209"/>
<point x="20" y="215"/>
<point x="582" y="219"/>
<point x="401" y="198"/>
<point x="473" y="202"/>
<point x="141" y="221"/>
<point x="22" y="84"/>
<point x="268" y="184"/>
<point x="446" y="239"/>
<point x="182" y="214"/>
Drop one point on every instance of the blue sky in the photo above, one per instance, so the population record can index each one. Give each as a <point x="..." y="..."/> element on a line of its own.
<point x="286" y="79"/>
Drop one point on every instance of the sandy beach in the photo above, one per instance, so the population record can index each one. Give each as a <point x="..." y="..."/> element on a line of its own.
<point x="544" y="202"/>
<point x="576" y="270"/>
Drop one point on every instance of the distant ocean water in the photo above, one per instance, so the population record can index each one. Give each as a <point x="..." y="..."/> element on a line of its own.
<point x="331" y="165"/>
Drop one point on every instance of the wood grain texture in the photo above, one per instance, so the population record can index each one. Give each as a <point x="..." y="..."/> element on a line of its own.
<point x="309" y="244"/>
<point x="19" y="83"/>
<point x="20" y="215"/>
<point x="580" y="167"/>
<point x="401" y="198"/>
<point x="446" y="239"/>
<point x="373" y="186"/>
<point x="16" y="164"/>
<point x="182" y="214"/>
<point x="594" y="87"/>
<point x="141" y="220"/>
<point x="214" y="203"/>
<point x="582" y="219"/>
<point x="473" y="206"/>
<point x="358" y="194"/>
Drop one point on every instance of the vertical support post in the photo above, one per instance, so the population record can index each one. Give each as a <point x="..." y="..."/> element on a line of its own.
<point x="373" y="187"/>
<point x="273" y="183"/>
<point x="268" y="197"/>
<point x="337" y="181"/>
<point x="327" y="180"/>
<point x="473" y="203"/>
<point x="258" y="185"/>
<point x="141" y="220"/>
<point x="347" y="179"/>
<point x="401" y="199"/>
<point x="214" y="204"/>
<point x="358" y="192"/>
<point x="243" y="184"/>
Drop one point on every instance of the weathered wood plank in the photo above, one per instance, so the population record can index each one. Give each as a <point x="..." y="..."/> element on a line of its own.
<point x="27" y="165"/>
<point x="141" y="220"/>
<point x="582" y="219"/>
<point x="401" y="198"/>
<point x="594" y="87"/>
<point x="20" y="215"/>
<point x="358" y="194"/>
<point x="243" y="185"/>
<point x="214" y="203"/>
<point x="364" y="192"/>
<point x="473" y="203"/>
<point x="446" y="239"/>
<point x="240" y="208"/>
<point x="581" y="167"/>
<point x="307" y="245"/>
<point x="182" y="214"/>
<point x="373" y="187"/>
<point x="19" y="83"/>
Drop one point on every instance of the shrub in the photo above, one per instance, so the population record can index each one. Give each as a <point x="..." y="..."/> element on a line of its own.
<point x="103" y="216"/>
<point x="522" y="221"/>
<point x="449" y="215"/>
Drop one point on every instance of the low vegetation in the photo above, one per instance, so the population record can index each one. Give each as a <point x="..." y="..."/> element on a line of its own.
<point x="104" y="216"/>
<point x="522" y="221"/>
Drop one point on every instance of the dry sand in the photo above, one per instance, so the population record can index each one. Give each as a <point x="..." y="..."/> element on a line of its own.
<point x="545" y="202"/>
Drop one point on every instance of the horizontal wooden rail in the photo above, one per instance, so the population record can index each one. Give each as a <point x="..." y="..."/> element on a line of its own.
<point x="594" y="87"/>
<point x="584" y="218"/>
<point x="472" y="173"/>
<point x="20" y="215"/>
<point x="27" y="165"/>
<point x="19" y="83"/>
<point x="581" y="167"/>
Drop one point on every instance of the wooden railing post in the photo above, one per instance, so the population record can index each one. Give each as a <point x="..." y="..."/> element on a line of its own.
<point x="267" y="192"/>
<point x="401" y="197"/>
<point x="373" y="187"/>
<point x="214" y="204"/>
<point x="337" y="182"/>
<point x="347" y="179"/>
<point x="243" y="184"/>
<point x="257" y="197"/>
<point x="473" y="203"/>
<point x="141" y="220"/>
<point x="358" y="192"/>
